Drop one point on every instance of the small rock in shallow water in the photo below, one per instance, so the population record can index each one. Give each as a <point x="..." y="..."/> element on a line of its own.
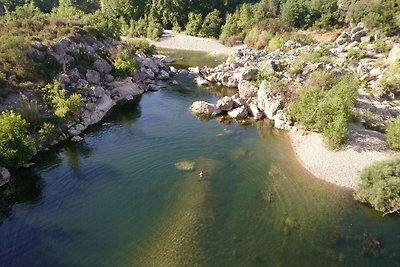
<point x="185" y="165"/>
<point x="76" y="138"/>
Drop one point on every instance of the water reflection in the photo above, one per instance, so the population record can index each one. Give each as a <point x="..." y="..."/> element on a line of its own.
<point x="24" y="187"/>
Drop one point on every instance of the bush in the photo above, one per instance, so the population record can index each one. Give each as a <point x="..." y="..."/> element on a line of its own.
<point x="16" y="147"/>
<point x="47" y="133"/>
<point x="328" y="112"/>
<point x="106" y="24"/>
<point x="124" y="64"/>
<point x="194" y="24"/>
<point x="393" y="134"/>
<point x="212" y="25"/>
<point x="390" y="82"/>
<point x="154" y="30"/>
<point x="30" y="110"/>
<point x="355" y="53"/>
<point x="143" y="45"/>
<point x="380" y="185"/>
<point x="295" y="13"/>
<point x="276" y="42"/>
<point x="231" y="28"/>
<point x="64" y="107"/>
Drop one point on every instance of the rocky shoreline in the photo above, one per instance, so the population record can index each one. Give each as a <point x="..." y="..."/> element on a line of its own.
<point x="261" y="79"/>
<point x="99" y="89"/>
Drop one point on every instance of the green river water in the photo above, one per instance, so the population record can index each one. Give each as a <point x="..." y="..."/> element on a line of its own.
<point x="117" y="198"/>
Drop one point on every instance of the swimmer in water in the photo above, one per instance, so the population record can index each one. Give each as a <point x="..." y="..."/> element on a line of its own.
<point x="201" y="174"/>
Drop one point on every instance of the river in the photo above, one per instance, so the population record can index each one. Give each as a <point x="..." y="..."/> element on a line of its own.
<point x="118" y="199"/>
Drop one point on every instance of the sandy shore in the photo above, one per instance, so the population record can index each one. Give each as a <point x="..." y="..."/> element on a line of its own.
<point x="172" y="40"/>
<point x="342" y="167"/>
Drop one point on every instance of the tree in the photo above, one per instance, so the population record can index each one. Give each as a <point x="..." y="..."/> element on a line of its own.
<point x="212" y="25"/>
<point x="295" y="13"/>
<point x="16" y="147"/>
<point x="194" y="25"/>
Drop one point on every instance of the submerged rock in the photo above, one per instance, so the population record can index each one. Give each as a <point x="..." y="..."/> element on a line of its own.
<point x="185" y="165"/>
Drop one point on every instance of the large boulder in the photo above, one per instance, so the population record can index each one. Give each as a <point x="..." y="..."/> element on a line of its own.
<point x="93" y="76"/>
<point x="239" y="113"/>
<point x="268" y="102"/>
<point x="150" y="64"/>
<point x="97" y="91"/>
<point x="201" y="81"/>
<point x="247" y="89"/>
<point x="102" y="66"/>
<point x="4" y="176"/>
<point x="97" y="112"/>
<point x="163" y="75"/>
<point x="125" y="89"/>
<point x="225" y="103"/>
<point x="255" y="112"/>
<point x="204" y="108"/>
<point x="249" y="73"/>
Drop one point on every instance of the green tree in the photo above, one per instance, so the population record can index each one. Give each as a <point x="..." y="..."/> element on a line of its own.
<point x="393" y="134"/>
<point x="295" y="13"/>
<point x="212" y="25"/>
<point x="194" y="24"/>
<point x="16" y="146"/>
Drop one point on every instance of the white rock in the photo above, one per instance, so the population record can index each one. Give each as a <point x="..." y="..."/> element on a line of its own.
<point x="4" y="176"/>
<point x="225" y="103"/>
<point x="76" y="138"/>
<point x="394" y="54"/>
<point x="255" y="112"/>
<point x="204" y="108"/>
<point x="247" y="89"/>
<point x="239" y="113"/>
<point x="201" y="81"/>
<point x="267" y="101"/>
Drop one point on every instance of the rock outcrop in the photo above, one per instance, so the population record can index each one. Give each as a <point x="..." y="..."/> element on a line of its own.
<point x="4" y="176"/>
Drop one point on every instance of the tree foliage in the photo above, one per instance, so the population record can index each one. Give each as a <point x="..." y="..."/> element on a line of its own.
<point x="16" y="146"/>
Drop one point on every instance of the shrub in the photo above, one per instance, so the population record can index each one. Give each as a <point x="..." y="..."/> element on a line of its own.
<point x="231" y="28"/>
<point x="124" y="64"/>
<point x="325" y="111"/>
<point x="30" y="110"/>
<point x="295" y="13"/>
<point x="16" y="146"/>
<point x="143" y="45"/>
<point x="154" y="30"/>
<point x="276" y="42"/>
<point x="380" y="185"/>
<point x="211" y="26"/>
<point x="47" y="133"/>
<point x="381" y="46"/>
<point x="355" y="53"/>
<point x="390" y="82"/>
<point x="63" y="106"/>
<point x="194" y="24"/>
<point x="107" y="25"/>
<point x="393" y="134"/>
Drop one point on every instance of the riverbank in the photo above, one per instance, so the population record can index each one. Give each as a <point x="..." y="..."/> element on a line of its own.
<point x="266" y="82"/>
<point x="341" y="167"/>
<point x="173" y="40"/>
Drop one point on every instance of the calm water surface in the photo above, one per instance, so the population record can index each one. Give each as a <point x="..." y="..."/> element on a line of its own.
<point x="117" y="199"/>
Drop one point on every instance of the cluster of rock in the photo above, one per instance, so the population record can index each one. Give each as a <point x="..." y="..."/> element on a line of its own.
<point x="99" y="89"/>
<point x="240" y="71"/>
<point x="251" y="101"/>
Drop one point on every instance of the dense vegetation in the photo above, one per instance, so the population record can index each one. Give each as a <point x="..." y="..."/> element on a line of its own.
<point x="326" y="106"/>
<point x="380" y="186"/>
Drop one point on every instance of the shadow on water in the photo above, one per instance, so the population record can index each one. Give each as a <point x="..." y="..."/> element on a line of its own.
<point x="24" y="187"/>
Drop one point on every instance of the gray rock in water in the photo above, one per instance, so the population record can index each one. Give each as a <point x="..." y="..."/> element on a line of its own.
<point x="125" y="88"/>
<point x="201" y="81"/>
<point x="225" y="103"/>
<point x="76" y="138"/>
<point x="163" y="75"/>
<point x="239" y="113"/>
<point x="204" y="108"/>
<point x="102" y="66"/>
<point x="4" y="176"/>
<point x="255" y="112"/>
<point x="150" y="64"/>
<point x="93" y="76"/>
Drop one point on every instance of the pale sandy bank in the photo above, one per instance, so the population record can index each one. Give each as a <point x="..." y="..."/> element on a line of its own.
<point x="172" y="40"/>
<point x="342" y="167"/>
